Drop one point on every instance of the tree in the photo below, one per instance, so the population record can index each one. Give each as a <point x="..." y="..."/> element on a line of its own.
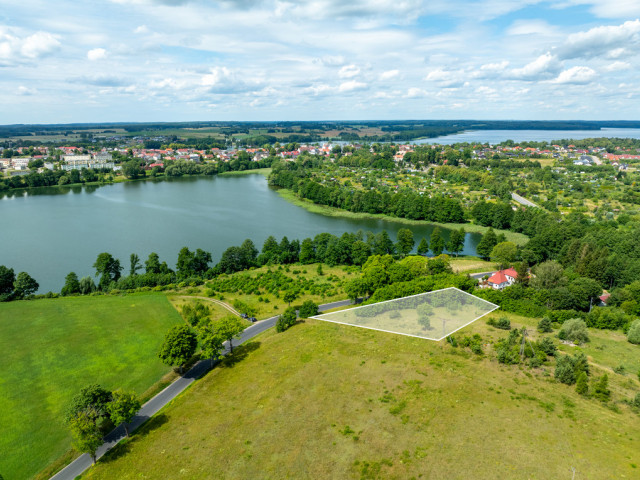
<point x="307" y="252"/>
<point x="286" y="320"/>
<point x="308" y="309"/>
<point x="289" y="296"/>
<point x="87" y="285"/>
<point x="92" y="397"/>
<point x="504" y="254"/>
<point x="456" y="241"/>
<point x="565" y="371"/>
<point x="132" y="169"/>
<point x="179" y="345"/>
<point x="152" y="264"/>
<point x="228" y="328"/>
<point x="423" y="247"/>
<point x="436" y="241"/>
<point x="544" y="325"/>
<point x="185" y="263"/>
<point x="71" y="284"/>
<point x="548" y="275"/>
<point x="582" y="386"/>
<point x="574" y="330"/>
<point x="134" y="264"/>
<point x="211" y="343"/>
<point x="122" y="408"/>
<point x="601" y="389"/>
<point x="633" y="335"/>
<point x="405" y="242"/>
<point x="486" y="244"/>
<point x="108" y="268"/>
<point x="25" y="285"/>
<point x="424" y="315"/>
<point x="7" y="277"/>
<point x="86" y="433"/>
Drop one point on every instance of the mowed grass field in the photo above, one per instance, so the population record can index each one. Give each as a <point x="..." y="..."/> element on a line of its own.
<point x="329" y="401"/>
<point x="52" y="348"/>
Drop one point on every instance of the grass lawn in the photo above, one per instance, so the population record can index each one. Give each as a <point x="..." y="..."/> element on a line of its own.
<point x="471" y="265"/>
<point x="261" y="171"/>
<point x="329" y="401"/>
<point x="54" y="347"/>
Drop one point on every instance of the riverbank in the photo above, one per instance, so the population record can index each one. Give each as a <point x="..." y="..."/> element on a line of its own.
<point x="291" y="197"/>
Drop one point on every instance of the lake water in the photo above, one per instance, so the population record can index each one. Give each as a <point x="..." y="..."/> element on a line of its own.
<point x="51" y="232"/>
<point x="498" y="136"/>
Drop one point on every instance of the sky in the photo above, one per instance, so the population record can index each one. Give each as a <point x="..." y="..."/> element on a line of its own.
<point x="187" y="60"/>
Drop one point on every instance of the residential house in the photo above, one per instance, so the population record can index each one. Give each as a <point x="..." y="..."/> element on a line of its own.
<point x="502" y="279"/>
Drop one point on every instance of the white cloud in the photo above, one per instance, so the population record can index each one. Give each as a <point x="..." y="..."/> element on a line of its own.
<point x="389" y="74"/>
<point x="348" y="71"/>
<point x="542" y="67"/>
<point x="531" y="27"/>
<point x="415" y="92"/>
<point x="613" y="41"/>
<point x="31" y="47"/>
<point x="610" y="8"/>
<point x="576" y="75"/>
<point x="223" y="80"/>
<point x="96" y="54"/>
<point x="617" y="67"/>
<point x="351" y="85"/>
<point x="22" y="90"/>
<point x="141" y="29"/>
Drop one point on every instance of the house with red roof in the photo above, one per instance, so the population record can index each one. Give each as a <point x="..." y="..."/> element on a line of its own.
<point x="503" y="278"/>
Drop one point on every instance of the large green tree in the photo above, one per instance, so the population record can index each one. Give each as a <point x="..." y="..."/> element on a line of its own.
<point x="122" y="408"/>
<point x="86" y="433"/>
<point x="25" y="285"/>
<point x="179" y="345"/>
<point x="436" y="241"/>
<point x="486" y="244"/>
<point x="456" y="241"/>
<point x="504" y="253"/>
<point x="405" y="242"/>
<point x="7" y="277"/>
<point x="71" y="284"/>
<point x="228" y="328"/>
<point x="108" y="268"/>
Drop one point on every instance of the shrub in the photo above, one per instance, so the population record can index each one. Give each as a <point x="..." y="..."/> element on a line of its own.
<point x="286" y="320"/>
<point x="308" y="309"/>
<point x="601" y="389"/>
<point x="633" y="335"/>
<point x="636" y="401"/>
<point x="544" y="325"/>
<point x="582" y="386"/>
<point x="574" y="330"/>
<point x="547" y="346"/>
<point x="502" y="323"/>
<point x="565" y="372"/>
<point x="507" y="355"/>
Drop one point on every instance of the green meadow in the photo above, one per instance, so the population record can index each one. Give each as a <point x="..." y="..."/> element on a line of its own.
<point x="51" y="348"/>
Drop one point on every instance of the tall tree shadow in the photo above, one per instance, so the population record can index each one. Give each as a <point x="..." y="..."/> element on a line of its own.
<point x="239" y="354"/>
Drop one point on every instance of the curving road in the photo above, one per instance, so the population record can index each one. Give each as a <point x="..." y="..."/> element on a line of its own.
<point x="83" y="462"/>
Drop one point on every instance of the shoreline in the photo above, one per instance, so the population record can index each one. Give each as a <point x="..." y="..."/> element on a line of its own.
<point x="517" y="238"/>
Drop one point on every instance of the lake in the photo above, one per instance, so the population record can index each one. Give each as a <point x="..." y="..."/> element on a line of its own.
<point x="498" y="136"/>
<point x="52" y="231"/>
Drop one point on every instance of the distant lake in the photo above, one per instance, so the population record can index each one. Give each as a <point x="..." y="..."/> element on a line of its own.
<point x="498" y="136"/>
<point x="51" y="232"/>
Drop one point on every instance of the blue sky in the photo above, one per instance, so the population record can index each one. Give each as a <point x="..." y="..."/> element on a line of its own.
<point x="179" y="60"/>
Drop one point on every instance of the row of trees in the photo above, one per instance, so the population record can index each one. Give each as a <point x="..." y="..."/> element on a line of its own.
<point x="14" y="286"/>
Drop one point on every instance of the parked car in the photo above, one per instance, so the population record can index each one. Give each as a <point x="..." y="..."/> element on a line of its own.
<point x="253" y="319"/>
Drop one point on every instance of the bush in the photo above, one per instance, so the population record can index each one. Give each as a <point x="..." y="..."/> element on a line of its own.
<point x="507" y="355"/>
<point x="286" y="320"/>
<point x="565" y="372"/>
<point x="547" y="346"/>
<point x="633" y="335"/>
<point x="582" y="386"/>
<point x="574" y="330"/>
<point x="544" y="325"/>
<point x="636" y="401"/>
<point x="601" y="389"/>
<point x="502" y="323"/>
<point x="308" y="309"/>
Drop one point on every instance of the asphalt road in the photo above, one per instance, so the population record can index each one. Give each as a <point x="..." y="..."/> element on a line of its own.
<point x="83" y="462"/>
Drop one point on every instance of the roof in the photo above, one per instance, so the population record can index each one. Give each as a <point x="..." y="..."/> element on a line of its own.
<point x="501" y="276"/>
<point x="605" y="297"/>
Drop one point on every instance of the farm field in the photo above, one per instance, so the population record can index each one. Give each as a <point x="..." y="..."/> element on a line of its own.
<point x="330" y="401"/>
<point x="54" y="347"/>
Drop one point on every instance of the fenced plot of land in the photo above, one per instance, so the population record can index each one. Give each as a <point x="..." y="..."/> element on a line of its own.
<point x="433" y="315"/>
